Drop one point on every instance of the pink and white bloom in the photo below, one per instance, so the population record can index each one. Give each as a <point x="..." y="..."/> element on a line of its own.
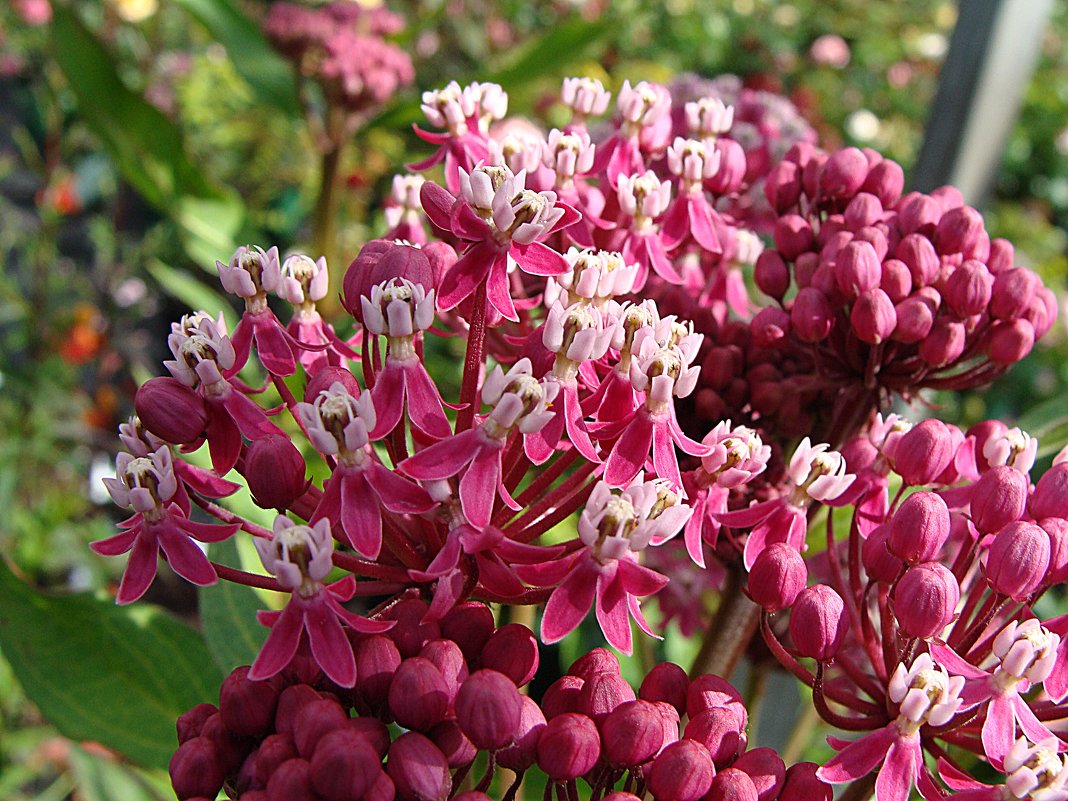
<point x="708" y="117"/>
<point x="304" y="283"/>
<point x="147" y="484"/>
<point x="692" y="215"/>
<point x="300" y="558"/>
<point x="1032" y="773"/>
<point x="1014" y="448"/>
<point x="586" y="97"/>
<point x="404" y="212"/>
<point x="644" y="112"/>
<point x="596" y="276"/>
<point x="643" y="197"/>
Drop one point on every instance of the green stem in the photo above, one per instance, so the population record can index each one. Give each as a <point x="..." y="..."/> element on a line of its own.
<point x="730" y="631"/>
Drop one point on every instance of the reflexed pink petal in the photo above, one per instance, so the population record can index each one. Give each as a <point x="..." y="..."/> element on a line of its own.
<point x="185" y="558"/>
<point x="478" y="486"/>
<point x="569" y="603"/>
<point x="140" y="570"/>
<point x="956" y="778"/>
<point x="1035" y="729"/>
<point x="736" y="293"/>
<point x="637" y="579"/>
<point x="948" y="658"/>
<point x="446" y="559"/>
<point x="433" y="137"/>
<point x="447" y="593"/>
<point x="329" y="645"/>
<point x="898" y="773"/>
<point x="330" y="504"/>
<point x="120" y="543"/>
<point x="612" y="612"/>
<point x="498" y="288"/>
<point x="576" y="427"/>
<point x="361" y="515"/>
<point x="546" y="574"/>
<point x="522" y="553"/>
<point x="659" y="260"/>
<point x="276" y="354"/>
<point x="636" y="612"/>
<point x="675" y="225"/>
<point x="999" y="729"/>
<point x="859" y="757"/>
<point x="540" y="445"/>
<point x="250" y="418"/>
<point x="664" y="460"/>
<point x="701" y="225"/>
<point x="692" y="533"/>
<point x="467" y="273"/>
<point x="364" y="625"/>
<point x="282" y="643"/>
<point x="630" y="452"/>
<point x="206" y="532"/>
<point x="224" y="440"/>
<point x="571" y="216"/>
<point x="424" y="402"/>
<point x="200" y="480"/>
<point x="443" y="459"/>
<point x="388" y="398"/>
<point x="498" y="578"/>
<point x="241" y="340"/>
<point x="539" y="259"/>
<point x="397" y="493"/>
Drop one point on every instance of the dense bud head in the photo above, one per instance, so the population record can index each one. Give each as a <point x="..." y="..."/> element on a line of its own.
<point x="632" y="734"/>
<point x="998" y="498"/>
<point x="925" y="599"/>
<point x="513" y="651"/>
<point x="1050" y="498"/>
<point x="682" y="772"/>
<point x="191" y="721"/>
<point x="275" y="471"/>
<point x="766" y="769"/>
<point x="782" y="186"/>
<point x="818" y="622"/>
<point x="1009" y="341"/>
<point x="857" y="269"/>
<point x="291" y="781"/>
<point x="1017" y="560"/>
<point x="777" y="577"/>
<point x="569" y="746"/>
<point x="488" y="709"/>
<point x="171" y="410"/>
<point x="247" y="707"/>
<point x="793" y="236"/>
<point x="196" y="769"/>
<point x="469" y="625"/>
<point x="418" y="769"/>
<point x="412" y="630"/>
<point x="732" y="784"/>
<point x="450" y="739"/>
<point x="562" y="696"/>
<point x="344" y="766"/>
<point x="920" y="528"/>
<point x="720" y="731"/>
<point x="843" y="175"/>
<point x="873" y="317"/>
<point x="923" y="452"/>
<point x="885" y="180"/>
<point x="771" y="274"/>
<point x="802" y="784"/>
<point x="811" y="315"/>
<point x="523" y="752"/>
<point x="666" y="682"/>
<point x="418" y="694"/>
<point x="377" y="659"/>
<point x="313" y="721"/>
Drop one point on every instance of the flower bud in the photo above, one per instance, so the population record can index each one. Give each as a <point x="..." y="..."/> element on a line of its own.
<point x="895" y="279"/>
<point x="488" y="709"/>
<point x="802" y="784"/>
<point x="917" y="212"/>
<point x="944" y="344"/>
<point x="782" y="186"/>
<point x="377" y="659"/>
<point x="885" y="180"/>
<point x="666" y="682"/>
<point x="843" y="175"/>
<point x="771" y="274"/>
<point x="450" y="739"/>
<point x="923" y="452"/>
<point x="513" y="651"/>
<point x="919" y="528"/>
<point x="1017" y="560"/>
<point x="418" y="769"/>
<point x="315" y="720"/>
<point x="373" y="730"/>
<point x="292" y="781"/>
<point x="770" y="327"/>
<point x="450" y="662"/>
<point x="196" y="769"/>
<point x="344" y="766"/>
<point x="863" y="210"/>
<point x="857" y="269"/>
<point x="1012" y="293"/>
<point x="766" y="770"/>
<point x="273" y="751"/>
<point x="721" y="733"/>
<point x="873" y="317"/>
<point x="682" y="772"/>
<point x="733" y="784"/>
<point x="710" y="691"/>
<point x="925" y="600"/>
<point x="914" y="320"/>
<point x="569" y="746"/>
<point x="1009" y="341"/>
<point x="793" y="236"/>
<point x="1050" y="498"/>
<point x="275" y="472"/>
<point x="326" y="377"/>
<point x="879" y="563"/>
<point x="777" y="577"/>
<point x="599" y="660"/>
<point x="969" y="289"/>
<point x="523" y="752"/>
<point x="412" y="630"/>
<point x="998" y="498"/>
<point x="818" y="622"/>
<point x="619" y="795"/>
<point x="919" y="256"/>
<point x="468" y="625"/>
<point x="191" y="721"/>
<point x="291" y="700"/>
<point x="632" y="734"/>
<point x="418" y="694"/>
<point x="171" y="410"/>
<point x="811" y="315"/>
<point x="958" y="230"/>
<point x="247" y="707"/>
<point x="601" y="693"/>
<point x="562" y="696"/>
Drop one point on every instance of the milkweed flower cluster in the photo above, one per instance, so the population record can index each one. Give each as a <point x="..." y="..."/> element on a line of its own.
<point x="631" y="423"/>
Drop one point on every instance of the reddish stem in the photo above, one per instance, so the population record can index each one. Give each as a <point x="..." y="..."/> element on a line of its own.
<point x="476" y="340"/>
<point x="248" y="579"/>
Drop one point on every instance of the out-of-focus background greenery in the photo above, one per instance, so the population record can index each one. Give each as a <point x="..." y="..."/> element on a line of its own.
<point x="142" y="139"/>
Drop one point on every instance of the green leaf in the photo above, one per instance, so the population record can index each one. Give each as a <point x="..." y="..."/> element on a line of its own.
<point x="565" y="44"/>
<point x="186" y="288"/>
<point x="266" y="72"/>
<point x="101" y="779"/>
<point x="117" y="675"/>
<point x="228" y="615"/>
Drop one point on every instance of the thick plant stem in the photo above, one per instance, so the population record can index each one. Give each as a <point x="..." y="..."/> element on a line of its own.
<point x="324" y="216"/>
<point x="730" y="631"/>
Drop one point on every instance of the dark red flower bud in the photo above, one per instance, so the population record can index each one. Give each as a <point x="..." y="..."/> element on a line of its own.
<point x="449" y="660"/>
<point x="418" y="694"/>
<point x="378" y="261"/>
<point x="777" y="577"/>
<point x="1057" y="529"/>
<point x="1012" y="293"/>
<point x="811" y="315"/>
<point x="326" y="378"/>
<point x="666" y="682"/>
<point x="601" y="693"/>
<point x="247" y="707"/>
<point x="709" y="692"/>
<point x="832" y="243"/>
<point x="488" y="708"/>
<point x="862" y="211"/>
<point x="732" y="784"/>
<point x="1009" y="341"/>
<point x="373" y="730"/>
<point x="344" y="766"/>
<point x="843" y="175"/>
<point x="805" y="267"/>
<point x="598" y="660"/>
<point x="682" y="772"/>
<point x="171" y="410"/>
<point x="720" y="731"/>
<point x="895" y="279"/>
<point x="983" y="432"/>
<point x="793" y="236"/>
<point x="196" y="769"/>
<point x="569" y="746"/>
<point x="412" y="630"/>
<point x="632" y="734"/>
<point x="771" y="274"/>
<point x="522" y="753"/>
<point x="879" y="563"/>
<point x="190" y="722"/>
<point x="377" y="659"/>
<point x="766" y="769"/>
<point x="969" y="289"/>
<point x="1050" y="498"/>
<point x="919" y="256"/>
<point x="275" y="472"/>
<point x="920" y="528"/>
<point x="513" y="651"/>
<point x="383" y="789"/>
<point x="770" y="327"/>
<point x="916" y="212"/>
<point x="885" y="180"/>
<point x="315" y="720"/>
<point x="873" y="317"/>
<point x="468" y="625"/>
<point x="290" y="702"/>
<point x="292" y="781"/>
<point x="818" y="622"/>
<point x="925" y="600"/>
<point x="273" y="751"/>
<point x="419" y="770"/>
<point x="857" y="269"/>
<point x="998" y="498"/>
<point x="923" y="452"/>
<point x="1018" y="559"/>
<point x="453" y="743"/>
<point x="802" y="784"/>
<point x="782" y="186"/>
<point x="562" y="696"/>
<point x="230" y="748"/>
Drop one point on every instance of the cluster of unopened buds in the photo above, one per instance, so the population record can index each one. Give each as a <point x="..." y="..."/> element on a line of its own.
<point x="583" y="465"/>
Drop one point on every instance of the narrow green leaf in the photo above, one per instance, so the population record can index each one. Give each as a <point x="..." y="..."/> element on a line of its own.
<point x="228" y="615"/>
<point x="186" y="288"/>
<point x="100" y="779"/>
<point x="117" y="675"/>
<point x="264" y="70"/>
<point x="565" y="44"/>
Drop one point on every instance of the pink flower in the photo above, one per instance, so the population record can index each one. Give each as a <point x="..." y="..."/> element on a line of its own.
<point x="404" y="213"/>
<point x="595" y="276"/>
<point x="147" y="485"/>
<point x="643" y="197"/>
<point x="304" y="282"/>
<point x="644" y="123"/>
<point x="691" y="215"/>
<point x="1031" y="771"/>
<point x="586" y="97"/>
<point x="299" y="557"/>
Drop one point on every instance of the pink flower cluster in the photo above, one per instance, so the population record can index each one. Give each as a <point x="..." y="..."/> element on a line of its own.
<point x="577" y="459"/>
